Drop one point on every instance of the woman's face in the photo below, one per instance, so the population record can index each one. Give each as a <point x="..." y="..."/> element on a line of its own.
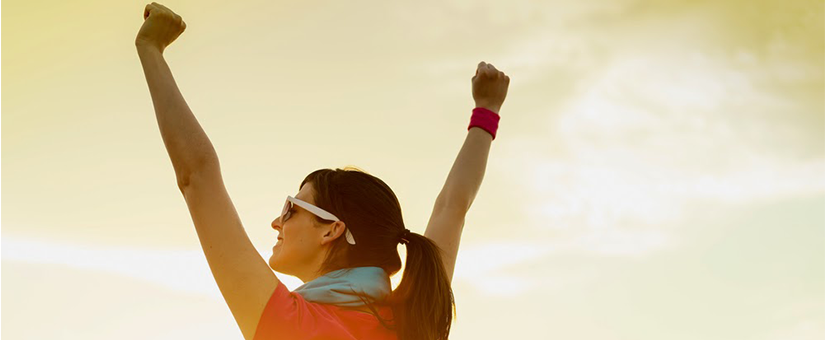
<point x="300" y="248"/>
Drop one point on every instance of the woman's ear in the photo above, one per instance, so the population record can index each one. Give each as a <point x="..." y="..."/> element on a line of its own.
<point x="335" y="230"/>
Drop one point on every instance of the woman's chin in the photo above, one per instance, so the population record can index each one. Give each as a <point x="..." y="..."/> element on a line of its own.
<point x="273" y="264"/>
<point x="277" y="266"/>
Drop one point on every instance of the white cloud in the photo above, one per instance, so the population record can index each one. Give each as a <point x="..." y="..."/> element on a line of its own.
<point x="495" y="269"/>
<point x="652" y="133"/>
<point x="478" y="260"/>
<point x="182" y="270"/>
<point x="484" y="267"/>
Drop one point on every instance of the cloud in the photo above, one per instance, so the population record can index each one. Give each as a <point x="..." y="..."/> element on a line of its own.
<point x="512" y="269"/>
<point x="182" y="270"/>
<point x="665" y="118"/>
<point x="483" y="266"/>
<point x="641" y="150"/>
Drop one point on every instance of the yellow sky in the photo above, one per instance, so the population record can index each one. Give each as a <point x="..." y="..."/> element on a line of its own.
<point x="657" y="173"/>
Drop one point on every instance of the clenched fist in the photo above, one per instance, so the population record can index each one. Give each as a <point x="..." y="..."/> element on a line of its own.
<point x="489" y="87"/>
<point x="160" y="27"/>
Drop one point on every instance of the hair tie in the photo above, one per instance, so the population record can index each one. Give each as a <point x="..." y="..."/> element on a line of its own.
<point x="404" y="235"/>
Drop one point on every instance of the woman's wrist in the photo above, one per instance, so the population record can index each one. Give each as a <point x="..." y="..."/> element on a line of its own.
<point x="485" y="119"/>
<point x="145" y="47"/>
<point x="494" y="108"/>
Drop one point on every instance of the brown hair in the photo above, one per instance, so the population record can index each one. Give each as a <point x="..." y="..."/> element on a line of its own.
<point x="423" y="305"/>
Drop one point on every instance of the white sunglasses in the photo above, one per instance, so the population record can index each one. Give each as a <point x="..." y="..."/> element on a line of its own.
<point x="285" y="214"/>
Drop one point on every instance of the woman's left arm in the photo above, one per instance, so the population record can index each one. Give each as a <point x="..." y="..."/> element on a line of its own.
<point x="453" y="202"/>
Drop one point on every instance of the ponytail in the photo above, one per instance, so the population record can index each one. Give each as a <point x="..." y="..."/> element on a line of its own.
<point x="423" y="304"/>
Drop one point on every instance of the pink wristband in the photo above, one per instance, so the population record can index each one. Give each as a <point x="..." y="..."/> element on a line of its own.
<point x="485" y="119"/>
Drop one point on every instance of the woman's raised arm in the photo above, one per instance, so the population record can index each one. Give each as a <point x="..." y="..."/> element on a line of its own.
<point x="187" y="144"/>
<point x="447" y="220"/>
<point x="243" y="277"/>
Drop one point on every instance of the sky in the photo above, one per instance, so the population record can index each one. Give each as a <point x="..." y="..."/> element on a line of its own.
<point x="658" y="172"/>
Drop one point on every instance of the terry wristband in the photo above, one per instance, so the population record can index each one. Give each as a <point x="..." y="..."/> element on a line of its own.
<point x="485" y="119"/>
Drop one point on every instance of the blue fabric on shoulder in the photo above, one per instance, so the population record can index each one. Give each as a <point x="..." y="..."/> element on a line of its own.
<point x="338" y="287"/>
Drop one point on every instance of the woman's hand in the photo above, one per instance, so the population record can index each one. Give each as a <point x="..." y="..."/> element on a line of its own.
<point x="160" y="27"/>
<point x="489" y="87"/>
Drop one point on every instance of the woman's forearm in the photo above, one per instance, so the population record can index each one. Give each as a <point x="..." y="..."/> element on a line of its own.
<point x="185" y="141"/>
<point x="467" y="172"/>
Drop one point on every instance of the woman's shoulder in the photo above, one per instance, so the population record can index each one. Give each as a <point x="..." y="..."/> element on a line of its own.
<point x="383" y="310"/>
<point x="288" y="313"/>
<point x="364" y="322"/>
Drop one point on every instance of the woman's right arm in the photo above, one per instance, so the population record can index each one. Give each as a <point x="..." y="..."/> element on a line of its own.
<point x="188" y="146"/>
<point x="243" y="277"/>
<point x="447" y="220"/>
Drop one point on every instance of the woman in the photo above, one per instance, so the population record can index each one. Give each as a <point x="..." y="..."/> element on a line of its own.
<point x="339" y="234"/>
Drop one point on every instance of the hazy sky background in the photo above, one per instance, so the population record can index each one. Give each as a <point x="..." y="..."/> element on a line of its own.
<point x="658" y="173"/>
